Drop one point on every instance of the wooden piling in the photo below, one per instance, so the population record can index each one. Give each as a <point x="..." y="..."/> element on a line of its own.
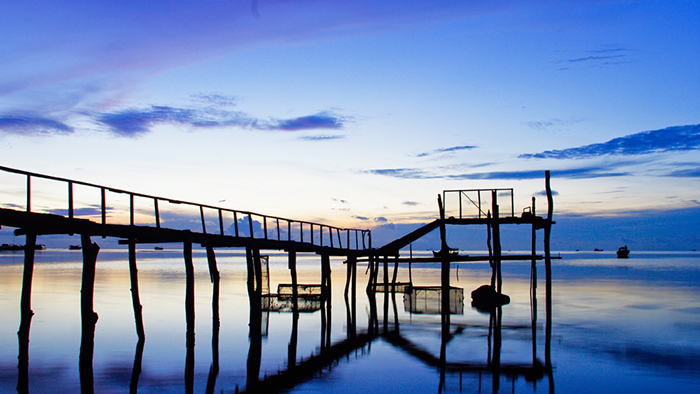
<point x="26" y="314"/>
<point x="292" y="264"/>
<point x="27" y="275"/>
<point x="495" y="228"/>
<point x="386" y="295"/>
<point x="88" y="315"/>
<point x="533" y="286"/>
<point x="548" y="272"/>
<point x="214" y="275"/>
<point x="445" y="270"/>
<point x="135" y="298"/>
<point x="189" y="290"/>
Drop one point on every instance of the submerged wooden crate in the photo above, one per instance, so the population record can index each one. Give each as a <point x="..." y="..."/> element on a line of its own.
<point x="428" y="300"/>
<point x="309" y="298"/>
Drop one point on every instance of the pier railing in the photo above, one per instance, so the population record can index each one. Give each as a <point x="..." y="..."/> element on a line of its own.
<point x="244" y="224"/>
<point x="476" y="203"/>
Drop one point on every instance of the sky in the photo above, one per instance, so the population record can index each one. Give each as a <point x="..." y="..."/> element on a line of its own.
<point x="358" y="114"/>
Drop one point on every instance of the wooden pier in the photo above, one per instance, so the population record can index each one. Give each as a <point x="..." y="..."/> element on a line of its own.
<point x="291" y="236"/>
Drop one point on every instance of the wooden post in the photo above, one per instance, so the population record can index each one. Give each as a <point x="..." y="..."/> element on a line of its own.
<point x="251" y="273"/>
<point x="189" y="291"/>
<point x="292" y="263"/>
<point x="26" y="301"/>
<point x="26" y="314"/>
<point x="548" y="272"/>
<point x="396" y="273"/>
<point x="445" y="280"/>
<point x="257" y="263"/>
<point x="88" y="315"/>
<point x="370" y="267"/>
<point x="255" y="322"/>
<point x="495" y="228"/>
<point x="189" y="316"/>
<point x="386" y="293"/>
<point x="533" y="285"/>
<point x="135" y="299"/>
<point x="326" y="275"/>
<point x="215" y="279"/>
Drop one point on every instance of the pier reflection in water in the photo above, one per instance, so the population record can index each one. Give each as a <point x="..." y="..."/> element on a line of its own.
<point x="342" y="336"/>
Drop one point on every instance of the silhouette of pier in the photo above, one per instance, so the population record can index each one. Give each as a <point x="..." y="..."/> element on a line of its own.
<point x="257" y="232"/>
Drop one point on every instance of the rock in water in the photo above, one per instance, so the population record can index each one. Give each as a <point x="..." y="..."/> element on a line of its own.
<point x="486" y="299"/>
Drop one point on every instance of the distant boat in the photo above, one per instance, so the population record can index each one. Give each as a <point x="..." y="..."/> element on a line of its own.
<point x="75" y="247"/>
<point x="159" y="248"/>
<point x="623" y="252"/>
<point x="597" y="250"/>
<point x="11" y="247"/>
<point x="20" y="247"/>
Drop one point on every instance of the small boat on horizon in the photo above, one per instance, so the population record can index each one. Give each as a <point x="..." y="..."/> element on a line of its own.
<point x="74" y="247"/>
<point x="20" y="247"/>
<point x="623" y="252"/>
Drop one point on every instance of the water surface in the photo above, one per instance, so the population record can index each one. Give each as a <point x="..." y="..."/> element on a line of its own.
<point x="618" y="326"/>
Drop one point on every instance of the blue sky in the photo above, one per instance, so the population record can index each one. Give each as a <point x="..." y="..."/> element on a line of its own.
<point x="358" y="113"/>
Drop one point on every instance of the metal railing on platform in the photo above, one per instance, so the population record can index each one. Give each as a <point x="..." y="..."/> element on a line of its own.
<point x="475" y="203"/>
<point x="272" y="227"/>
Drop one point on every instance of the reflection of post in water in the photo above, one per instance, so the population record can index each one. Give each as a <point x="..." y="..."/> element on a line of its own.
<point x="88" y="315"/>
<point x="26" y="314"/>
<point x="496" y="318"/>
<point x="136" y="371"/>
<point x="255" y="333"/>
<point x="292" y="347"/>
<point x="189" y="316"/>
<point x="215" y="279"/>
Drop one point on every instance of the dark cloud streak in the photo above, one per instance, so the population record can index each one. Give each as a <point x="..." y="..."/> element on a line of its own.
<point x="679" y="138"/>
<point x="447" y="150"/>
<point x="32" y="125"/>
<point x="135" y="122"/>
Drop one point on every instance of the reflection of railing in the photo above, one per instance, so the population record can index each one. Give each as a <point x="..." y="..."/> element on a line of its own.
<point x="273" y="227"/>
<point x="477" y="201"/>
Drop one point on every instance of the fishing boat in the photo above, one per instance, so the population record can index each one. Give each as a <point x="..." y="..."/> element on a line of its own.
<point x="623" y="252"/>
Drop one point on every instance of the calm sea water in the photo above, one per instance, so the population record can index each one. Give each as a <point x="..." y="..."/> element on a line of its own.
<point x="619" y="326"/>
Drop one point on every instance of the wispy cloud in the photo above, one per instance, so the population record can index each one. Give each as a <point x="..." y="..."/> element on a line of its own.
<point x="321" y="137"/>
<point x="32" y="125"/>
<point x="550" y="123"/>
<point x="214" y="99"/>
<point x="592" y="58"/>
<point x="543" y="193"/>
<point x="447" y="150"/>
<point x="686" y="173"/>
<point x="679" y="138"/>
<point x="318" y="121"/>
<point x="134" y="122"/>
<point x="409" y="173"/>
<point x="574" y="173"/>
